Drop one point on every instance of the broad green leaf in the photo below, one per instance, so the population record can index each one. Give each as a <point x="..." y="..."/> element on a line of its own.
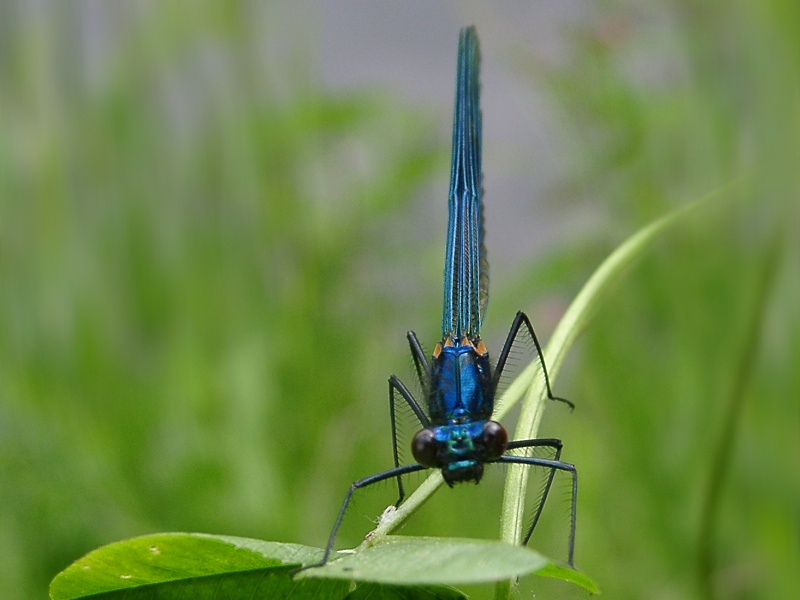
<point x="190" y="565"/>
<point x="406" y="560"/>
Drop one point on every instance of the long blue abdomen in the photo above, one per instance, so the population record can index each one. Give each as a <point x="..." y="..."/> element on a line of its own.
<point x="466" y="269"/>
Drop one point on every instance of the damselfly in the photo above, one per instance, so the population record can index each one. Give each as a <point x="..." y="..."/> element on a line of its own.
<point x="458" y="435"/>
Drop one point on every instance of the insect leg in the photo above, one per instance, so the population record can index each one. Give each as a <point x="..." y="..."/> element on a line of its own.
<point x="520" y="320"/>
<point x="396" y="472"/>
<point x="553" y="465"/>
<point x="395" y="385"/>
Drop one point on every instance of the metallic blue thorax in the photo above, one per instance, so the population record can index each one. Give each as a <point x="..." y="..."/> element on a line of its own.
<point x="461" y="384"/>
<point x="460" y="403"/>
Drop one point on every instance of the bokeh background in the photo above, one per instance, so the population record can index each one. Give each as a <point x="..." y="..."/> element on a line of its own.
<point x="218" y="220"/>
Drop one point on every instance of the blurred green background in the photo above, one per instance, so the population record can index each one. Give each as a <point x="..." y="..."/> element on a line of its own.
<point x="212" y="244"/>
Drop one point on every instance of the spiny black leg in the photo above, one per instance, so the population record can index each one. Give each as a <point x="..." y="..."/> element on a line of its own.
<point x="420" y="361"/>
<point x="548" y="443"/>
<point x="396" y="472"/>
<point x="400" y="491"/>
<point x="553" y="465"/>
<point x="519" y="320"/>
<point x="395" y="385"/>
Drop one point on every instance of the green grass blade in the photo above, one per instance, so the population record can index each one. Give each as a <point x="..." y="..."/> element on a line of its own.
<point x="531" y="385"/>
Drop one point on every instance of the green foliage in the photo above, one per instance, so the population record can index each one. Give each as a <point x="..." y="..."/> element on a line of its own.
<point x="685" y="386"/>
<point x="193" y="336"/>
<point x="173" y="565"/>
<point x="189" y="322"/>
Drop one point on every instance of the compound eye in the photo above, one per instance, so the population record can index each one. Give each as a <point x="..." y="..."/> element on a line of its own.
<point x="423" y="447"/>
<point x="495" y="440"/>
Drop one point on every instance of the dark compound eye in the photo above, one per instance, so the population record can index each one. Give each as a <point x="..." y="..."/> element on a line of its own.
<point x="423" y="447"/>
<point x="495" y="440"/>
